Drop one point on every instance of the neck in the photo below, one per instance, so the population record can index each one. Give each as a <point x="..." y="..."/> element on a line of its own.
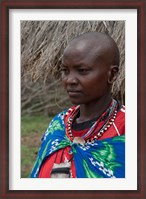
<point x="94" y="109"/>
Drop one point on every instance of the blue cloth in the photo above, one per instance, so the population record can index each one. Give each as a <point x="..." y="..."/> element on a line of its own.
<point x="101" y="159"/>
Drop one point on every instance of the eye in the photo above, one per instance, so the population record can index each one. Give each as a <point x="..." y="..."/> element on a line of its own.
<point x="64" y="71"/>
<point x="83" y="71"/>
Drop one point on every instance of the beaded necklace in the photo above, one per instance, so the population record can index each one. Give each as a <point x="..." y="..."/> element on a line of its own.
<point x="96" y="130"/>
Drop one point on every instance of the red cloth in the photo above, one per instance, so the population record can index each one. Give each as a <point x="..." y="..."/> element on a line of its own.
<point x="118" y="128"/>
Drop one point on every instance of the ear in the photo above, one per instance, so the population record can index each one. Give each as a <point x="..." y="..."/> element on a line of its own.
<point x="112" y="74"/>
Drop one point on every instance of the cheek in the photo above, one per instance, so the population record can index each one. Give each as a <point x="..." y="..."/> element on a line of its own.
<point x="63" y="81"/>
<point x="95" y="84"/>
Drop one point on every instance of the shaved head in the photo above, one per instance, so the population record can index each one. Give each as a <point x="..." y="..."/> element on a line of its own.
<point x="90" y="65"/>
<point x="100" y="44"/>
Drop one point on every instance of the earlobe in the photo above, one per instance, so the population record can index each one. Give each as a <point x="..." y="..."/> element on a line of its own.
<point x="112" y="75"/>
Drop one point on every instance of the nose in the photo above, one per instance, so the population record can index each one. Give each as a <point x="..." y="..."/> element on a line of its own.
<point x="70" y="79"/>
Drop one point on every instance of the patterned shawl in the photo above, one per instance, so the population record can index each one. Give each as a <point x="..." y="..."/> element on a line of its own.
<point x="100" y="159"/>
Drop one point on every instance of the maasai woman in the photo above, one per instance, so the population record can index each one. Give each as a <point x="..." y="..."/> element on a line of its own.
<point x="87" y="140"/>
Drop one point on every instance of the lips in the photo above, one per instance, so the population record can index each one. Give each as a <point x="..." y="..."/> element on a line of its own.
<point x="73" y="92"/>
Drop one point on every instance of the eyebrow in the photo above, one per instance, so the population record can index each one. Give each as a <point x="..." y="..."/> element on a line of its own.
<point x="75" y="66"/>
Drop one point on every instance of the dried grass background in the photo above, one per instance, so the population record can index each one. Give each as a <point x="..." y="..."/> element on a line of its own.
<point x="42" y="46"/>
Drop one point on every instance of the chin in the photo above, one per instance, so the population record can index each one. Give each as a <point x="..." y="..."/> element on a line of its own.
<point x="75" y="101"/>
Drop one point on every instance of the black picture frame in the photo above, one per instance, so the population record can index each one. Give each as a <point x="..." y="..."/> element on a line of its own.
<point x="140" y="5"/>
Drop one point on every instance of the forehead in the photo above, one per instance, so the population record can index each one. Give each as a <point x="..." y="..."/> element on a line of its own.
<point x="85" y="51"/>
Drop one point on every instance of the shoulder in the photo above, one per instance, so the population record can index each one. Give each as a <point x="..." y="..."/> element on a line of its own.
<point x="57" y="124"/>
<point x="60" y="119"/>
<point x="120" y="120"/>
<point x="121" y="112"/>
<point x="60" y="116"/>
<point x="122" y="109"/>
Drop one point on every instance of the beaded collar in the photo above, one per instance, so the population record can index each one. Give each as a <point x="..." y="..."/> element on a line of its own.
<point x="97" y="129"/>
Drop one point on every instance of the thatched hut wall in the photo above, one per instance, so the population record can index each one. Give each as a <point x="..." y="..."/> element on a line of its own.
<point x="42" y="46"/>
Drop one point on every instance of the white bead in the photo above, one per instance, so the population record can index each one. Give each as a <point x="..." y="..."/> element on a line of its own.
<point x="99" y="134"/>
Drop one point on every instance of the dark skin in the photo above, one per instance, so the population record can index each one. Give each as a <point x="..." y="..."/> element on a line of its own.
<point x="89" y="67"/>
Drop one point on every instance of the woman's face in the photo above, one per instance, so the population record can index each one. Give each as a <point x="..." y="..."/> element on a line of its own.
<point x="84" y="74"/>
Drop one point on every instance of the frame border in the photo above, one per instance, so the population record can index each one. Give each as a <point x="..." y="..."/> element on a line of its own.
<point x="5" y="6"/>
